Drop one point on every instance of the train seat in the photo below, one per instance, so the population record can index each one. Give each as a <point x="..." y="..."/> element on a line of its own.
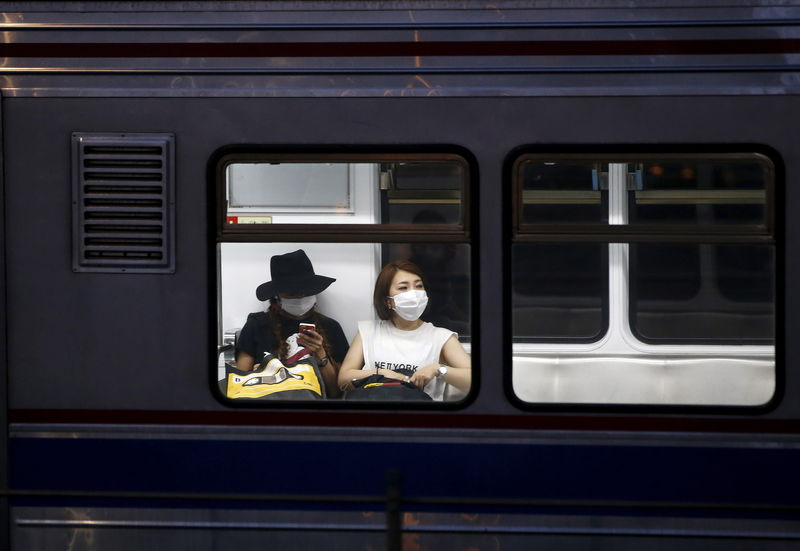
<point x="638" y="380"/>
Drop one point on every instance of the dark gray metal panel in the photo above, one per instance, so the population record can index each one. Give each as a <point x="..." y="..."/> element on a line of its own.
<point x="129" y="528"/>
<point x="90" y="341"/>
<point x="358" y="73"/>
<point x="4" y="511"/>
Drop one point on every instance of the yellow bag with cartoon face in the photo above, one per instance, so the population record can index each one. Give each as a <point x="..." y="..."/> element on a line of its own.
<point x="274" y="380"/>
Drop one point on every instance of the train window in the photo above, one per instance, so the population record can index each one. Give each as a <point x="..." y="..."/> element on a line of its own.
<point x="292" y="226"/>
<point x="667" y="297"/>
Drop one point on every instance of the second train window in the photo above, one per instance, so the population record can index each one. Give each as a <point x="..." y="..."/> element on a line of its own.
<point x="644" y="279"/>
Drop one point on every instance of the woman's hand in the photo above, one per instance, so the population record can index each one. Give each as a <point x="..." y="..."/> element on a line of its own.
<point x="245" y="362"/>
<point x="423" y="376"/>
<point x="389" y="374"/>
<point x="314" y="342"/>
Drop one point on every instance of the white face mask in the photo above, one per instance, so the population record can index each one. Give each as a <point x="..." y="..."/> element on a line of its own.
<point x="298" y="306"/>
<point x="409" y="305"/>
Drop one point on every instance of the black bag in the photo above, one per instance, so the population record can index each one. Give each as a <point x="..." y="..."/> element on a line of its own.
<point x="381" y="389"/>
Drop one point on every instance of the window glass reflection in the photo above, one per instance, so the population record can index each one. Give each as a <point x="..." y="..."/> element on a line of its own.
<point x="422" y="193"/>
<point x="562" y="192"/>
<point x="700" y="192"/>
<point x="703" y="294"/>
<point x="559" y="291"/>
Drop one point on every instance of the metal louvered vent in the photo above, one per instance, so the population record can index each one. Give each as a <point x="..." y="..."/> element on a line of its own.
<point x="123" y="189"/>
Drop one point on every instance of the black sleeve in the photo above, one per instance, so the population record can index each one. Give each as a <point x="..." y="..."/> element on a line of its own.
<point x="339" y="344"/>
<point x="247" y="338"/>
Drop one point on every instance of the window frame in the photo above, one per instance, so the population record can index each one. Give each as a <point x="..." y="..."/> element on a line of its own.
<point x="768" y="233"/>
<point x="220" y="232"/>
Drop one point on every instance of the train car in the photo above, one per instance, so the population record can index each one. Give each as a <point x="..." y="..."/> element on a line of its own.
<point x="596" y="196"/>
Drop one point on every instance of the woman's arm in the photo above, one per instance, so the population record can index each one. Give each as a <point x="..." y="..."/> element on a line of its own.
<point x="246" y="340"/>
<point x="330" y="374"/>
<point x="459" y="364"/>
<point x="314" y="342"/>
<point x="459" y="367"/>
<point x="352" y="367"/>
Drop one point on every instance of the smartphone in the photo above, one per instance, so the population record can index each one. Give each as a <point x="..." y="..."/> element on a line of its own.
<point x="304" y="327"/>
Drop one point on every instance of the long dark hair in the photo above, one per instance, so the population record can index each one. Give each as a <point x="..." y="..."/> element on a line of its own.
<point x="276" y="322"/>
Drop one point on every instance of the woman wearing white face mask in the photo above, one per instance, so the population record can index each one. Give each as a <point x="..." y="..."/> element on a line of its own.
<point x="292" y="296"/>
<point x="401" y="345"/>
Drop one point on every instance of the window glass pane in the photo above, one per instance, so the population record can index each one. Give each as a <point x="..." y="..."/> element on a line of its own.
<point x="344" y="192"/>
<point x="688" y="321"/>
<point x="700" y="192"/>
<point x="663" y="272"/>
<point x="559" y="291"/>
<point x="422" y="193"/>
<point x="703" y="294"/>
<point x="562" y="192"/>
<point x="261" y="363"/>
<point x="746" y="273"/>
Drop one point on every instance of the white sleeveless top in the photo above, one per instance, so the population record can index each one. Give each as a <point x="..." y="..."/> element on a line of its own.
<point x="387" y="347"/>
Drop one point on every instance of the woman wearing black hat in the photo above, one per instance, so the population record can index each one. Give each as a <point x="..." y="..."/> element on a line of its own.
<point x="292" y="295"/>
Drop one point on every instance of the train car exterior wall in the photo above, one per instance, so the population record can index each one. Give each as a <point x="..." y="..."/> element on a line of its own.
<point x="115" y="430"/>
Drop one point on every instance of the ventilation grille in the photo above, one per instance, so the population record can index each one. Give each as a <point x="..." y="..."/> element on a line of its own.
<point x="123" y="201"/>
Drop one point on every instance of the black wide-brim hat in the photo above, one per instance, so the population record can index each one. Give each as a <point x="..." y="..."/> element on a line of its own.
<point x="292" y="274"/>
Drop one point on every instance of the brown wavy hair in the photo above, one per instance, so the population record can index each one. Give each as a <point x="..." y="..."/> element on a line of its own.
<point x="276" y="322"/>
<point x="384" y="282"/>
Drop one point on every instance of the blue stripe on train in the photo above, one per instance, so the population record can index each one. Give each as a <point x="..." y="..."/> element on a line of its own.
<point x="525" y="471"/>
